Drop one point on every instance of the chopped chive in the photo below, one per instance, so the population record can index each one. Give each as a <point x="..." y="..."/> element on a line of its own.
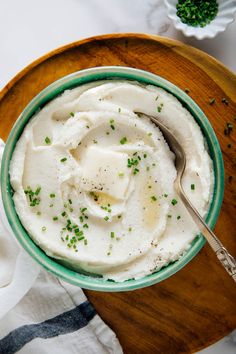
<point x="154" y="198"/>
<point x="212" y="101"/>
<point x="225" y="101"/>
<point x="130" y="229"/>
<point x="70" y="201"/>
<point x="83" y="210"/>
<point x="119" y="110"/>
<point x="37" y="191"/>
<point x="229" y="128"/>
<point x="136" y="170"/>
<point x="192" y="187"/>
<point x="123" y="140"/>
<point x="55" y="218"/>
<point x="63" y="214"/>
<point x="72" y="114"/>
<point x="197" y="13"/>
<point x="121" y="174"/>
<point x="106" y="218"/>
<point x="144" y="155"/>
<point x="85" y="226"/>
<point x="165" y="195"/>
<point x="174" y="202"/>
<point x="63" y="159"/>
<point x="80" y="238"/>
<point x="112" y="234"/>
<point x="52" y="195"/>
<point x="159" y="108"/>
<point x="47" y="140"/>
<point x="178" y="217"/>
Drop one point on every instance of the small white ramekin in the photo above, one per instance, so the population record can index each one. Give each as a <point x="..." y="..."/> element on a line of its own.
<point x="225" y="16"/>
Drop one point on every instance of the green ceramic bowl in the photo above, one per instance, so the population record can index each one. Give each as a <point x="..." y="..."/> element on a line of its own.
<point x="55" y="89"/>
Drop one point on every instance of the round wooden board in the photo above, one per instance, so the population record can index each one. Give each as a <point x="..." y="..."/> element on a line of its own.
<point x="197" y="306"/>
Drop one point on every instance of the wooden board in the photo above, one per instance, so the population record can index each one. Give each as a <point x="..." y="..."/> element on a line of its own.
<point x="197" y="306"/>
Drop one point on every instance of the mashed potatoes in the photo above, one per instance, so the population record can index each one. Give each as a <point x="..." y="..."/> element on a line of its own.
<point x="94" y="182"/>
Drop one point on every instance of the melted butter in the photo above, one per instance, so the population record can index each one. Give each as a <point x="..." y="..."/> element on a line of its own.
<point x="150" y="208"/>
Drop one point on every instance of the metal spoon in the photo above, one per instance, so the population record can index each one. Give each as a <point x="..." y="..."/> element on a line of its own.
<point x="221" y="252"/>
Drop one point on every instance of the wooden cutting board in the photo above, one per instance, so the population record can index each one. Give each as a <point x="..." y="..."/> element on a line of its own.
<point x="197" y="306"/>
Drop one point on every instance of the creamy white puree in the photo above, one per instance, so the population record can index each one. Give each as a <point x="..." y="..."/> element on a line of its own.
<point x="130" y="226"/>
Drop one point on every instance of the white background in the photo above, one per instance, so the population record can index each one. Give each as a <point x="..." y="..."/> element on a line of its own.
<point x="30" y="28"/>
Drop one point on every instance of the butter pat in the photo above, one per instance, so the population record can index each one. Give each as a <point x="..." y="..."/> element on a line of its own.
<point x="105" y="171"/>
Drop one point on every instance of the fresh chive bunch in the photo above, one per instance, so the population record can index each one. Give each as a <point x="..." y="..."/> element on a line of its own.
<point x="197" y="12"/>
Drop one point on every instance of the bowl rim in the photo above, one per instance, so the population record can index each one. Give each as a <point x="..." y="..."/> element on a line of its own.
<point x="76" y="79"/>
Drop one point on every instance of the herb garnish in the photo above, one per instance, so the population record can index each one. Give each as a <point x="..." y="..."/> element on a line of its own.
<point x="153" y="198"/>
<point x="228" y="129"/>
<point x="159" y="108"/>
<point x="112" y="124"/>
<point x="174" y="202"/>
<point x="225" y="101"/>
<point x="197" y="12"/>
<point x="193" y="187"/>
<point x="123" y="140"/>
<point x="212" y="101"/>
<point x="47" y="140"/>
<point x="34" y="198"/>
<point x="72" y="114"/>
<point x="63" y="159"/>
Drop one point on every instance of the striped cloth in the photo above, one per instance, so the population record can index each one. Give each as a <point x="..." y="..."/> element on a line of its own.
<point x="41" y="314"/>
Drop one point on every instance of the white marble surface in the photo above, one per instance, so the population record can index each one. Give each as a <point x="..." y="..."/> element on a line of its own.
<point x="30" y="28"/>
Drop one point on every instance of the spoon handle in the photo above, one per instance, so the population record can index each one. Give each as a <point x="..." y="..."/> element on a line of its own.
<point x="221" y="252"/>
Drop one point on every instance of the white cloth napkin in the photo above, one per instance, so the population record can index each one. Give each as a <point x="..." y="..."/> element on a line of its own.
<point x="40" y="313"/>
